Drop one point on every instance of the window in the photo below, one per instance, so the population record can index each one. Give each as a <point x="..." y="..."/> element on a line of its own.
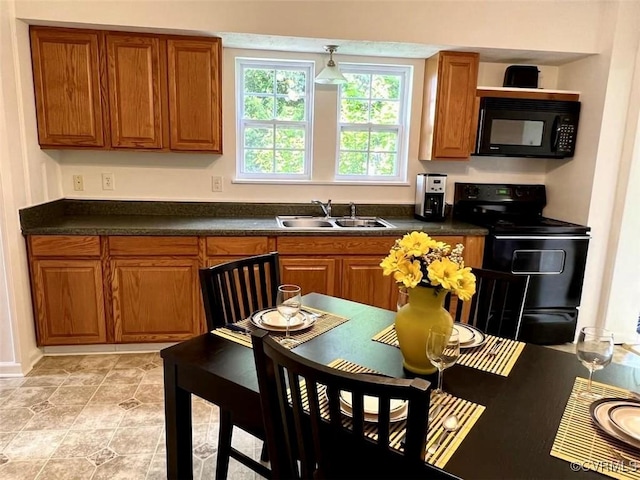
<point x="373" y="123"/>
<point x="274" y="111"/>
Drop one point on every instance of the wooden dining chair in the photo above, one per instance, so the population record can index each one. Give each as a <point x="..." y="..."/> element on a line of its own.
<point x="498" y="304"/>
<point x="309" y="436"/>
<point x="231" y="292"/>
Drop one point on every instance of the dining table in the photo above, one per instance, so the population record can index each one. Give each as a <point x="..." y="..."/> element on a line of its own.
<point x="511" y="439"/>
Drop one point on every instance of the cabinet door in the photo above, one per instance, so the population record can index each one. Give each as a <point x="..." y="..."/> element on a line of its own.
<point x="155" y="300"/>
<point x="448" y="105"/>
<point x="455" y="100"/>
<point x="195" y="108"/>
<point x="69" y="302"/>
<point x="363" y="281"/>
<point x="319" y="275"/>
<point x="68" y="89"/>
<point x="137" y="89"/>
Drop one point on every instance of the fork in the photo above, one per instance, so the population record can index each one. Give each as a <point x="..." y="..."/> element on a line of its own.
<point x="494" y="350"/>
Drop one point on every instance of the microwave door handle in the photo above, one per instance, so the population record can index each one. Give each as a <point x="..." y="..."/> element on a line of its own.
<point x="556" y="134"/>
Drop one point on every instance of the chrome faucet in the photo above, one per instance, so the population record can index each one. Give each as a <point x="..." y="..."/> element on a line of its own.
<point x="352" y="207"/>
<point x="326" y="207"/>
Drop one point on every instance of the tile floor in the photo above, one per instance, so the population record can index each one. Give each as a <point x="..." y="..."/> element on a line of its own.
<point x="102" y="417"/>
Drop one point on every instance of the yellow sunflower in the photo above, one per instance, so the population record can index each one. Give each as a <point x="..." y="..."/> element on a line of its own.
<point x="466" y="285"/>
<point x="408" y="273"/>
<point x="444" y="272"/>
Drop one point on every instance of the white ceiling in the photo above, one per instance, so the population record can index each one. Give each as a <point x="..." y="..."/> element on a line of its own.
<point x="389" y="49"/>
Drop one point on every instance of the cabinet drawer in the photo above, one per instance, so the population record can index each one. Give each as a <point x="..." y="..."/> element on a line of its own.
<point x="237" y="245"/>
<point x="64" y="246"/>
<point x="141" y="246"/>
<point x="323" y="245"/>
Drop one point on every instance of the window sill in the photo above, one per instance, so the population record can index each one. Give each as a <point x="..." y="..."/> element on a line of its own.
<point x="349" y="183"/>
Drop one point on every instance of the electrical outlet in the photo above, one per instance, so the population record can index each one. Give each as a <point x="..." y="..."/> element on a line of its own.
<point x="78" y="183"/>
<point x="216" y="183"/>
<point x="108" y="181"/>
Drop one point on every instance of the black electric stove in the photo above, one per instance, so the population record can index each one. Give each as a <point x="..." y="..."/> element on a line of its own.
<point x="551" y="252"/>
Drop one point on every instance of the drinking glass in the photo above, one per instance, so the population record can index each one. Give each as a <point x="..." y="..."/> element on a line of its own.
<point x="288" y="303"/>
<point x="443" y="350"/>
<point x="595" y="350"/>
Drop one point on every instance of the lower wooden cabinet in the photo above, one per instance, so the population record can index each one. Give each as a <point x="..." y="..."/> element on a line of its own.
<point x="69" y="301"/>
<point x="363" y="281"/>
<point x="155" y="299"/>
<point x="319" y="275"/>
<point x="130" y="289"/>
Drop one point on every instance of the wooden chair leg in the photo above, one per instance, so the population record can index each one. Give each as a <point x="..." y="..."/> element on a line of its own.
<point x="264" y="455"/>
<point x="224" y="444"/>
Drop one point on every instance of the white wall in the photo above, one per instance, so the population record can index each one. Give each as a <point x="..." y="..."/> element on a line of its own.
<point x="27" y="176"/>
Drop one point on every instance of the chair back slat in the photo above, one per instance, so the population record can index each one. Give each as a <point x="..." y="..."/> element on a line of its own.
<point x="334" y="442"/>
<point x="498" y="304"/>
<point x="232" y="291"/>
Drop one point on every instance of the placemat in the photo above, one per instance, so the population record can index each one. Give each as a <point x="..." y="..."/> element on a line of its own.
<point x="467" y="412"/>
<point x="580" y="442"/>
<point x="325" y="322"/>
<point x="501" y="363"/>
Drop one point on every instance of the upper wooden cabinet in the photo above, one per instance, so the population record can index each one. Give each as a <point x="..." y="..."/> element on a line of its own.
<point x="118" y="90"/>
<point x="194" y="94"/>
<point x="137" y="90"/>
<point x="69" y="90"/>
<point x="448" y="107"/>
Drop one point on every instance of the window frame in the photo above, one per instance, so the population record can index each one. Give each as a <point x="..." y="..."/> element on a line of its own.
<point x="243" y="63"/>
<point x="406" y="78"/>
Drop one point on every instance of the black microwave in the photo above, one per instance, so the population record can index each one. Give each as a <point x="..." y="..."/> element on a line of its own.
<point x="515" y="127"/>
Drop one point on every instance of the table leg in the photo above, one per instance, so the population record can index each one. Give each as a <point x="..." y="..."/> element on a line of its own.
<point x="177" y="407"/>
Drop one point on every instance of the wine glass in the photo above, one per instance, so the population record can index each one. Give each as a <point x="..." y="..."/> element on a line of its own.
<point x="288" y="303"/>
<point x="595" y="350"/>
<point x="443" y="350"/>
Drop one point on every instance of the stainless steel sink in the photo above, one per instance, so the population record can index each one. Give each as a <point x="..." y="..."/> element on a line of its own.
<point x="306" y="223"/>
<point x="303" y="222"/>
<point x="360" y="222"/>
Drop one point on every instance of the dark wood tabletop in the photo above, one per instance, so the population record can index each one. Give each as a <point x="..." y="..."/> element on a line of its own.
<point x="512" y="439"/>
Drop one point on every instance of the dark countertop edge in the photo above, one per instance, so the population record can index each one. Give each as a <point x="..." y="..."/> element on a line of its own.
<point x="237" y="232"/>
<point x="115" y="217"/>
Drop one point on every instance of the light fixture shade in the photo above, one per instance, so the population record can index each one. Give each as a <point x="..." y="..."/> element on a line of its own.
<point x="331" y="76"/>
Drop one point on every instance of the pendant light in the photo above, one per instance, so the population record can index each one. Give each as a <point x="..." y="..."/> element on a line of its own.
<point x="331" y="75"/>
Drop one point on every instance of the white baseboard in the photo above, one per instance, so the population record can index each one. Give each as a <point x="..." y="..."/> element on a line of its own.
<point x="102" y="349"/>
<point x="11" y="369"/>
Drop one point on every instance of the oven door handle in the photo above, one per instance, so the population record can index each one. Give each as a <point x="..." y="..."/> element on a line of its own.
<point x="541" y="237"/>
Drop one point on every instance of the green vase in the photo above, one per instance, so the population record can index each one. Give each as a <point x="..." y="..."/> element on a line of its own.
<point x="414" y="320"/>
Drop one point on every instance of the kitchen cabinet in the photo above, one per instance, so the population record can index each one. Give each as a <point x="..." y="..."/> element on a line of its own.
<point x="120" y="90"/>
<point x="155" y="288"/>
<point x="70" y="89"/>
<point x="449" y="106"/>
<point x="137" y="90"/>
<point x="195" y="94"/>
<point x="123" y="289"/>
<point x="320" y="275"/>
<point x="67" y="285"/>
<point x="350" y="266"/>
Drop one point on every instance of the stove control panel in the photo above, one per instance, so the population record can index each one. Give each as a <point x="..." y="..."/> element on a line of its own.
<point x="499" y="193"/>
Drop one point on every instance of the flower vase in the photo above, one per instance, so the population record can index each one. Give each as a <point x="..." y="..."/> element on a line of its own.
<point x="415" y="320"/>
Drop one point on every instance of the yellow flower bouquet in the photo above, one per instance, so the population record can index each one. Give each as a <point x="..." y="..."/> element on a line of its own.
<point x="418" y="259"/>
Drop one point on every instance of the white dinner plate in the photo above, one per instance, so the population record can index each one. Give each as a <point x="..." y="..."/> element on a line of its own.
<point x="627" y="419"/>
<point x="464" y="334"/>
<point x="399" y="408"/>
<point x="267" y="320"/>
<point x="479" y="338"/>
<point x="600" y="415"/>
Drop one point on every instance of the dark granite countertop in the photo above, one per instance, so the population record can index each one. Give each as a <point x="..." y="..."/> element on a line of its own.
<point x="106" y="217"/>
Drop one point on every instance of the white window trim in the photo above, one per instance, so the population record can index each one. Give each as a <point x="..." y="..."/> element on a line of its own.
<point x="406" y="74"/>
<point x="307" y="123"/>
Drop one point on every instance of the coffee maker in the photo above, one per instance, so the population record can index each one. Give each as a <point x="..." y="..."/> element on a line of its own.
<point x="430" y="196"/>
